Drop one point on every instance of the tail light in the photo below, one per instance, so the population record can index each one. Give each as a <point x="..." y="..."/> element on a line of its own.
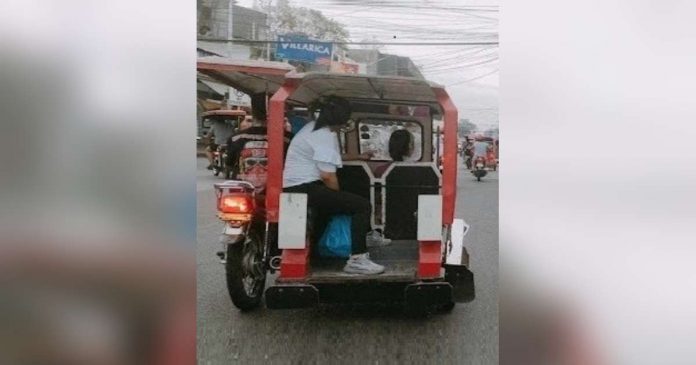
<point x="240" y="204"/>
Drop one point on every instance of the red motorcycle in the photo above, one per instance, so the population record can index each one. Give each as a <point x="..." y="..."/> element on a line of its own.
<point x="246" y="248"/>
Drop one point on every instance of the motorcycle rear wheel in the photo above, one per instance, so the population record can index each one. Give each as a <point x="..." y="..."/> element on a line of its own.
<point x="246" y="276"/>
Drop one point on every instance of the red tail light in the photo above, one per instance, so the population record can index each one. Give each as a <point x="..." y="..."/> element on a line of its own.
<point x="236" y="204"/>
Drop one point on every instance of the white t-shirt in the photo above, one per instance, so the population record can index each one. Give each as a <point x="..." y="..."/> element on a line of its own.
<point x="311" y="151"/>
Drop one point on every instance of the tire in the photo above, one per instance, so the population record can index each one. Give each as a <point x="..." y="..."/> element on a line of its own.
<point x="245" y="297"/>
<point x="446" y="308"/>
<point x="478" y="177"/>
<point x="225" y="167"/>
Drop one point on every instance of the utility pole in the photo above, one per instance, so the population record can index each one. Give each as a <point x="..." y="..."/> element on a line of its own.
<point x="267" y="36"/>
<point x="230" y="36"/>
<point x="333" y="47"/>
<point x="230" y="28"/>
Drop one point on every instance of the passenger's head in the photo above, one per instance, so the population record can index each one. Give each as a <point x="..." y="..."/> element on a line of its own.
<point x="246" y="123"/>
<point x="334" y="113"/>
<point x="400" y="144"/>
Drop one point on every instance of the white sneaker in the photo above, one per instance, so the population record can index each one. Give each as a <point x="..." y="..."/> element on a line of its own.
<point x="375" y="239"/>
<point x="361" y="264"/>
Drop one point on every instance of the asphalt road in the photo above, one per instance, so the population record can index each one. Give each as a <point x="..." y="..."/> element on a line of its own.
<point x="350" y="334"/>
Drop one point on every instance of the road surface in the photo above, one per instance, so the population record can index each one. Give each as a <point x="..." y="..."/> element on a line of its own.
<point x="349" y="334"/>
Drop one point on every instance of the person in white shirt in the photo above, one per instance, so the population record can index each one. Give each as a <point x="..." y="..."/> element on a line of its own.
<point x="310" y="167"/>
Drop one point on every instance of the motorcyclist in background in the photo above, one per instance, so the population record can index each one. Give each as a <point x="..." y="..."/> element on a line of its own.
<point x="247" y="149"/>
<point x="221" y="130"/>
<point x="469" y="152"/>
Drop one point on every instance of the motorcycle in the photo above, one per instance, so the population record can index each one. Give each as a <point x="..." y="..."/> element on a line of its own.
<point x="479" y="168"/>
<point x="219" y="162"/>
<point x="246" y="249"/>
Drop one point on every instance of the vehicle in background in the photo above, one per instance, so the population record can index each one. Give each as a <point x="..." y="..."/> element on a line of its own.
<point x="219" y="161"/>
<point x="231" y="116"/>
<point x="482" y="164"/>
<point x="479" y="168"/>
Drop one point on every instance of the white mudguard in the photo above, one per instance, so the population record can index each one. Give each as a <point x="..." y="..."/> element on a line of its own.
<point x="292" y="225"/>
<point x="456" y="253"/>
<point x="429" y="218"/>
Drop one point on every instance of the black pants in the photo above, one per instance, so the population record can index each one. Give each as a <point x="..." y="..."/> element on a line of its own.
<point x="326" y="202"/>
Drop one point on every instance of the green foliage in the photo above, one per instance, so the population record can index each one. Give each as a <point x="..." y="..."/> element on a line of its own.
<point x="493" y="132"/>
<point x="284" y="18"/>
<point x="466" y="127"/>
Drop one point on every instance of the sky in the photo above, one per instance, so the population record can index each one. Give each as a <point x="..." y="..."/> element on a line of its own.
<point x="470" y="73"/>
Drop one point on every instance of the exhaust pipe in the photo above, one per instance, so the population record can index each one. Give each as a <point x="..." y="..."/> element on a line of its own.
<point x="275" y="263"/>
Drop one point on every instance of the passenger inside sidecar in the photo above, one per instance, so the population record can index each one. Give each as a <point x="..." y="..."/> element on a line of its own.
<point x="392" y="187"/>
<point x="408" y="200"/>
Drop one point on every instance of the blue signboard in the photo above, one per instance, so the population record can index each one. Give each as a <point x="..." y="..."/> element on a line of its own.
<point x="300" y="48"/>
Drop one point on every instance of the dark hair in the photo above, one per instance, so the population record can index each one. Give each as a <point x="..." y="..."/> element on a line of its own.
<point x="400" y="144"/>
<point x="258" y="106"/>
<point x="334" y="111"/>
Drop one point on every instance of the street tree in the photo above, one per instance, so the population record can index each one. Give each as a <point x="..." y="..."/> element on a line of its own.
<point x="372" y="39"/>
<point x="493" y="132"/>
<point x="284" y="18"/>
<point x="466" y="127"/>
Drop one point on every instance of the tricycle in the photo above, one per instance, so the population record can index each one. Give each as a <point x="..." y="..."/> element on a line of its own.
<point x="412" y="200"/>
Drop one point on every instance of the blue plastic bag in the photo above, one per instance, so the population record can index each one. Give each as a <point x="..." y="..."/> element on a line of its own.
<point x="336" y="240"/>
